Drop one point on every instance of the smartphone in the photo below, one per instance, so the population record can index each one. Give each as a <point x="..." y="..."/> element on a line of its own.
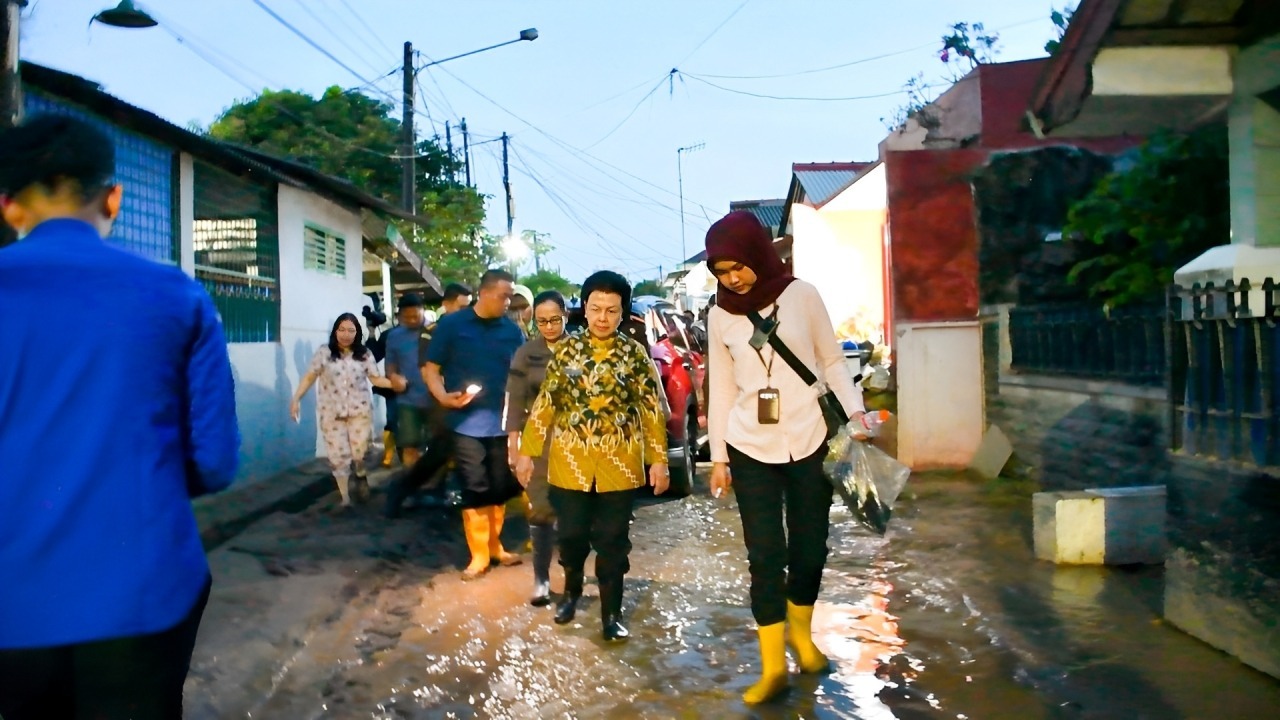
<point x="473" y="389"/>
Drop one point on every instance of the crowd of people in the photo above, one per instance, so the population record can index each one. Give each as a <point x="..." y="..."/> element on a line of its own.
<point x="112" y="578"/>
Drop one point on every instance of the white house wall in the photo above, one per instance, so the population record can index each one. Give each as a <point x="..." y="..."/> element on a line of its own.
<point x="268" y="373"/>
<point x="840" y="249"/>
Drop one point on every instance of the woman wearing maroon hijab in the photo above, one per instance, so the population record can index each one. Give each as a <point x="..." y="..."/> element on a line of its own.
<point x="768" y="435"/>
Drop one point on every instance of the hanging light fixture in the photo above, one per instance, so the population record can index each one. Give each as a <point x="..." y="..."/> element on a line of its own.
<point x="125" y="15"/>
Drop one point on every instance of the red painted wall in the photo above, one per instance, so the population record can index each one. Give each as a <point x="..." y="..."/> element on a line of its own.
<point x="933" y="240"/>
<point x="1006" y="90"/>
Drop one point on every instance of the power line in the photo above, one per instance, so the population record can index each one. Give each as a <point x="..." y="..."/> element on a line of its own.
<point x="859" y="61"/>
<point x="788" y="97"/>
<point x="524" y="165"/>
<point x="372" y="33"/>
<point x="629" y="90"/>
<point x="317" y="46"/>
<point x="713" y="33"/>
<point x="566" y="146"/>
<point x="341" y="40"/>
<point x="624" y="120"/>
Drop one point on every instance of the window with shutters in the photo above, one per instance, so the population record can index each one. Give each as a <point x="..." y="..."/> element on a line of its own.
<point x="324" y="251"/>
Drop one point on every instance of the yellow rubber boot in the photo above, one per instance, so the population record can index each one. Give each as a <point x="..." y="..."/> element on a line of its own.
<point x="475" y="523"/>
<point x="388" y="442"/>
<point x="498" y="513"/>
<point x="773" y="665"/>
<point x="800" y="630"/>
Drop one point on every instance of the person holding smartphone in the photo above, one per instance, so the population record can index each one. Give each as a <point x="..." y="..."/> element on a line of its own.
<point x="768" y="435"/>
<point x="466" y="371"/>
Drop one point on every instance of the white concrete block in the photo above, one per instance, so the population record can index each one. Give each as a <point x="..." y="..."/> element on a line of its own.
<point x="993" y="453"/>
<point x="1112" y="526"/>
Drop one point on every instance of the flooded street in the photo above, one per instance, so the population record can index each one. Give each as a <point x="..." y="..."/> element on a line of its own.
<point x="948" y="616"/>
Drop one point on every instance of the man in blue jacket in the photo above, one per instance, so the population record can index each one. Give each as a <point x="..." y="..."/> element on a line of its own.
<point x="108" y="428"/>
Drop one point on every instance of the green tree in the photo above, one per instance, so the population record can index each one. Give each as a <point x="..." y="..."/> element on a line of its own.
<point x="549" y="280"/>
<point x="355" y="137"/>
<point x="539" y="246"/>
<point x="649" y="287"/>
<point x="1060" y="19"/>
<point x="464" y="259"/>
<point x="1141" y="223"/>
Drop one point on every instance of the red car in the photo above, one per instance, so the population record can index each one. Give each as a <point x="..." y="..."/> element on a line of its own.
<point x="657" y="324"/>
<point x="682" y="365"/>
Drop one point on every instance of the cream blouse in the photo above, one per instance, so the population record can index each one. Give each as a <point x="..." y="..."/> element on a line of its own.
<point x="737" y="374"/>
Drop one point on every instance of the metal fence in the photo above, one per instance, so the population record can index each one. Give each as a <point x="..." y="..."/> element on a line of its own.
<point x="1223" y="371"/>
<point x="1125" y="345"/>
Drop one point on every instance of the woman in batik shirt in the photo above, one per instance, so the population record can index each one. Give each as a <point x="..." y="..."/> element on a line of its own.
<point x="602" y="399"/>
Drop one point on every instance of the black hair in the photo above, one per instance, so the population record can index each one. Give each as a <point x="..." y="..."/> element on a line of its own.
<point x="550" y="296"/>
<point x="357" y="347"/>
<point x="373" y="317"/>
<point x="607" y="281"/>
<point x="453" y="291"/>
<point x="49" y="150"/>
<point x="410" y="300"/>
<point x="494" y="276"/>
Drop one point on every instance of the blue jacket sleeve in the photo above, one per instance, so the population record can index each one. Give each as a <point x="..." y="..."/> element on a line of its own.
<point x="213" y="436"/>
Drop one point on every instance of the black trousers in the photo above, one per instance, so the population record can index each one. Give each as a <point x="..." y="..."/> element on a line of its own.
<point x="786" y="563"/>
<point x="428" y="471"/>
<point x="486" y="474"/>
<point x="132" y="678"/>
<point x="594" y="520"/>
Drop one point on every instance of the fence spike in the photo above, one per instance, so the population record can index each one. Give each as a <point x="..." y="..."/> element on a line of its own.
<point x="1245" y="289"/>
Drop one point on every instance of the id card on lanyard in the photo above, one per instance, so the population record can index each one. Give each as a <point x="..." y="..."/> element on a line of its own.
<point x="768" y="399"/>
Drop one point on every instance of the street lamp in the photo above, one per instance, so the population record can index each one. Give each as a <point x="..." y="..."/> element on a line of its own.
<point x="684" y="253"/>
<point x="516" y="251"/>
<point x="408" y="139"/>
<point x="125" y="15"/>
<point x="528" y="34"/>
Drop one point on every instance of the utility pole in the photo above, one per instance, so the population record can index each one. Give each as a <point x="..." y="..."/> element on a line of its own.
<point x="448" y="144"/>
<point x="506" y="185"/>
<point x="684" y="253"/>
<point x="466" y="150"/>
<point x="408" y="188"/>
<point x="10" y="81"/>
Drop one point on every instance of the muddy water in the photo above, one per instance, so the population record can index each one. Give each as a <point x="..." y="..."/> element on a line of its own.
<point x="948" y="616"/>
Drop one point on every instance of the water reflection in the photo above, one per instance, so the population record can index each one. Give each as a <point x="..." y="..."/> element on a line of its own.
<point x="948" y="616"/>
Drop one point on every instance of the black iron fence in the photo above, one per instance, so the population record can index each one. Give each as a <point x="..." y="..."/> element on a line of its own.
<point x="1223" y="371"/>
<point x="1124" y="345"/>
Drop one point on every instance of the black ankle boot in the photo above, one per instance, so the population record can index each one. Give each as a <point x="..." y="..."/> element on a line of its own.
<point x="568" y="605"/>
<point x="614" y="630"/>
<point x="566" y="609"/>
<point x="611" y="610"/>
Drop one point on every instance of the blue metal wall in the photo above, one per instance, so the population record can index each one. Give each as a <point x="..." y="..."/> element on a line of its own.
<point x="148" y="216"/>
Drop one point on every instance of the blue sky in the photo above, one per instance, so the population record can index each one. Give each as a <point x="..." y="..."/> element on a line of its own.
<point x="595" y="127"/>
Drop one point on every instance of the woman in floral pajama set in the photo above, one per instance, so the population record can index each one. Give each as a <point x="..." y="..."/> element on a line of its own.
<point x="345" y="368"/>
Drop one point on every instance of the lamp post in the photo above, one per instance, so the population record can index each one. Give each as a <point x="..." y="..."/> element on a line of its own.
<point x="124" y="15"/>
<point x="408" y="139"/>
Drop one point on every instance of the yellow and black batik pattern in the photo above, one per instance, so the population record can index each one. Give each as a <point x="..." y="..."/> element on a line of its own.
<point x="602" y="399"/>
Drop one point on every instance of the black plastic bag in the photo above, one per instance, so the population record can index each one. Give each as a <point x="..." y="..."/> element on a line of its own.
<point x="869" y="481"/>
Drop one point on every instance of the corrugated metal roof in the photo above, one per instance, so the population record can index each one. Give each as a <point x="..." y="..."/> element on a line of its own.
<point x="768" y="212"/>
<point x="822" y="185"/>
